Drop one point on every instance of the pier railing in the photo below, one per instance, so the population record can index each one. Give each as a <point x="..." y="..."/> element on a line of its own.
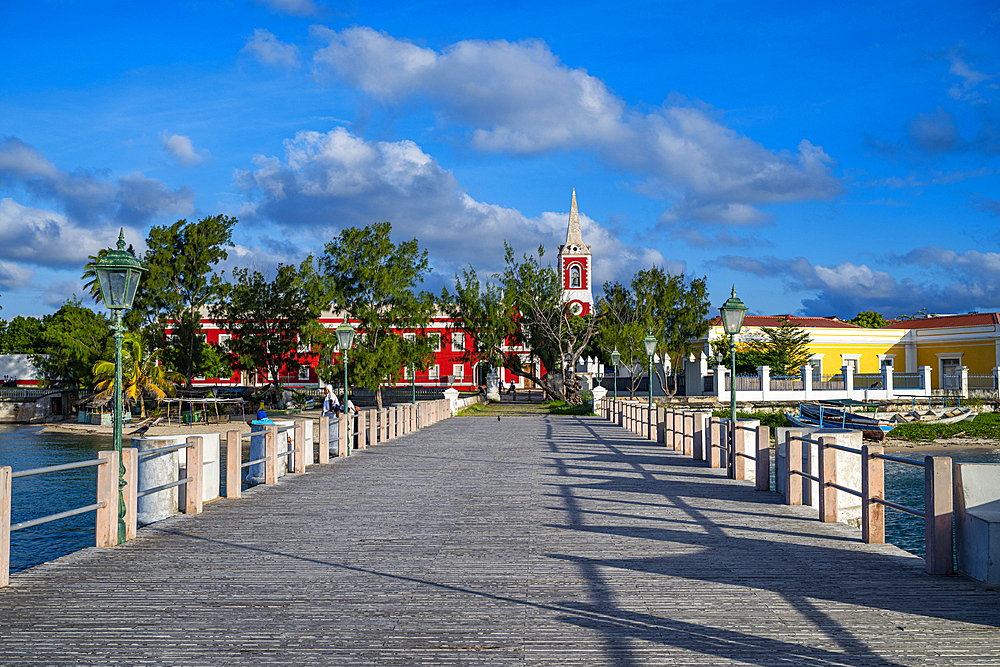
<point x="855" y="471"/>
<point x="285" y="450"/>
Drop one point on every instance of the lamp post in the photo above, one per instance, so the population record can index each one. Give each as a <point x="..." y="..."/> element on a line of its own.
<point x="733" y="311"/>
<point x="345" y="341"/>
<point x="650" y="343"/>
<point x="118" y="274"/>
<point x="615" y="358"/>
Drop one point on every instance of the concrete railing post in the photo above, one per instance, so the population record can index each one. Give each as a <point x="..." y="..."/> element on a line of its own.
<point x="793" y="464"/>
<point x="890" y="391"/>
<point x="271" y="454"/>
<point x="299" y="443"/>
<point x="762" y="481"/>
<point x="234" y="464"/>
<point x="193" y="490"/>
<point x="688" y="429"/>
<point x="700" y="436"/>
<point x="872" y="490"/>
<point x="130" y="455"/>
<point x="938" y="507"/>
<point x="807" y="381"/>
<point x="5" y="477"/>
<point x="963" y="381"/>
<point x="324" y="439"/>
<point x="373" y="427"/>
<point x="764" y="374"/>
<point x="715" y="448"/>
<point x="828" y="509"/>
<point x="361" y="431"/>
<point x="344" y="446"/>
<point x="106" y="521"/>
<point x="653" y="413"/>
<point x="739" y="458"/>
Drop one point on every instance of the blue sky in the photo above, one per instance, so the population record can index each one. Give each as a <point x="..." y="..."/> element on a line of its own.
<point x="825" y="159"/>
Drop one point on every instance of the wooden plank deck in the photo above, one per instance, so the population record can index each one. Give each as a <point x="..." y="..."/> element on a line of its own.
<point x="532" y="540"/>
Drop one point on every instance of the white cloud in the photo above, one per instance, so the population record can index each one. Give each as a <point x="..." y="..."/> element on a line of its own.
<point x="329" y="181"/>
<point x="13" y="276"/>
<point x="87" y="198"/>
<point x="848" y="288"/>
<point x="269" y="50"/>
<point x="46" y="238"/>
<point x="293" y="7"/>
<point x="519" y="98"/>
<point x="180" y="148"/>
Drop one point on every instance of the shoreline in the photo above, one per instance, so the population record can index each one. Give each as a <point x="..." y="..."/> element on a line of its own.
<point x="166" y="429"/>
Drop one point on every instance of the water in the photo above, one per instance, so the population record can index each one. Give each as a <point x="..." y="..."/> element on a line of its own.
<point x="40" y="495"/>
<point x="905" y="485"/>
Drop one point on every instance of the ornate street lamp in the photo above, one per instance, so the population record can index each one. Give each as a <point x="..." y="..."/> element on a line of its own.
<point x="733" y="311"/>
<point x="118" y="274"/>
<point x="615" y="358"/>
<point x="345" y="341"/>
<point x="650" y="343"/>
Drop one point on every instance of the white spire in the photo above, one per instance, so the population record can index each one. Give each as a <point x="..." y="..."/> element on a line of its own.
<point x="573" y="233"/>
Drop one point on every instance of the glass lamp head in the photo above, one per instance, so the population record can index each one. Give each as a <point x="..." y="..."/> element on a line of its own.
<point x="615" y="357"/>
<point x="345" y="336"/>
<point x="118" y="274"/>
<point x="733" y="311"/>
<point x="650" y="344"/>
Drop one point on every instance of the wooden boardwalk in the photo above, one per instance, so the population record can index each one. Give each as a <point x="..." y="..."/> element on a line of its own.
<point x="532" y="540"/>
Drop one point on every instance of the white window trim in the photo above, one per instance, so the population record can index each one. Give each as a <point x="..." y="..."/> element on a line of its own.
<point x="941" y="356"/>
<point x="460" y="347"/>
<point x="436" y="338"/>
<point x="882" y="358"/>
<point x="856" y="358"/>
<point x="458" y="370"/>
<point x="434" y="372"/>
<point x="304" y="370"/>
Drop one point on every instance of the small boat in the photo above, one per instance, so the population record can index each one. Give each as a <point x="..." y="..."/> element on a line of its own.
<point x="934" y="416"/>
<point x="836" y="415"/>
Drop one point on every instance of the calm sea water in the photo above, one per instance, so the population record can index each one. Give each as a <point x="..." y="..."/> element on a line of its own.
<point x="28" y="447"/>
<point x="22" y="448"/>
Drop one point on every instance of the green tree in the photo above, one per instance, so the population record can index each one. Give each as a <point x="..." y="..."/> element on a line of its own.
<point x="182" y="282"/>
<point x="22" y="335"/>
<point x="142" y="376"/>
<point x="869" y="319"/>
<point x="264" y="317"/>
<point x="622" y="327"/>
<point x="786" y="346"/>
<point x="523" y="308"/>
<point x="72" y="340"/>
<point x="678" y="310"/>
<point x="373" y="282"/>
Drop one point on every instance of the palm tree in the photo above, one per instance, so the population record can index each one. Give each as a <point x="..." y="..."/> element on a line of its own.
<point x="142" y="375"/>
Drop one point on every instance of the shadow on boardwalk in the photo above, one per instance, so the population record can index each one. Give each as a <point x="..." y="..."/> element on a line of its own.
<point x="535" y="540"/>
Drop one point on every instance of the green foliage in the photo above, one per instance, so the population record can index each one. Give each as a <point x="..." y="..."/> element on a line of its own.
<point x="373" y="281"/>
<point x="771" y="419"/>
<point x="564" y="408"/>
<point x="522" y="309"/>
<point x="869" y="319"/>
<point x="787" y="347"/>
<point x="182" y="282"/>
<point x="750" y="354"/>
<point x="264" y="317"/>
<point x="22" y="335"/>
<point x="667" y="306"/>
<point x="985" y="425"/>
<point x="142" y="376"/>
<point x="72" y="340"/>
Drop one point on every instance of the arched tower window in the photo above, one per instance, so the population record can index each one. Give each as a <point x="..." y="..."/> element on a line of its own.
<point x="574" y="277"/>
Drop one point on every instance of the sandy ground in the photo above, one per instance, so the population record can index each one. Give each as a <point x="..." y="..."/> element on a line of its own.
<point x="169" y="429"/>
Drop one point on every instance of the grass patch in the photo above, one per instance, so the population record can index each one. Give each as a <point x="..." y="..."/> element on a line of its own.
<point x="563" y="408"/>
<point x="772" y="419"/>
<point x="475" y="410"/>
<point x="983" y="426"/>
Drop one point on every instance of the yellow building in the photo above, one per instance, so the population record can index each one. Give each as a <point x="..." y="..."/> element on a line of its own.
<point x="945" y="344"/>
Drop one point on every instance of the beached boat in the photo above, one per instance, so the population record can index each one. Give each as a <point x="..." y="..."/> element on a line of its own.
<point x="837" y="415"/>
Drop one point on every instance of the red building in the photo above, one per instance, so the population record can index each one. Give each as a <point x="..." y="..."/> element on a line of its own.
<point x="448" y="369"/>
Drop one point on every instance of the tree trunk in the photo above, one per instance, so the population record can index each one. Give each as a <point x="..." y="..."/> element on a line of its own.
<point x="378" y="398"/>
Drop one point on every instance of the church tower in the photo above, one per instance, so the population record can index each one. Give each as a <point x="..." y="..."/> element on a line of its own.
<point x="575" y="267"/>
